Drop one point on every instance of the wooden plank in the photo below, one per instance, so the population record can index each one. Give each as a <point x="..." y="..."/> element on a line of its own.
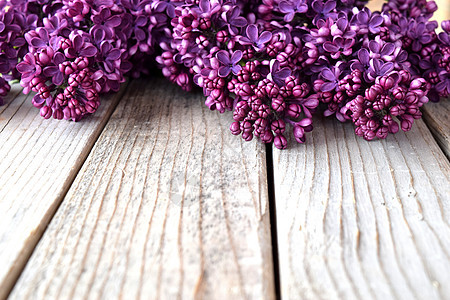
<point x="437" y="117"/>
<point x="40" y="159"/>
<point x="168" y="205"/>
<point x="363" y="220"/>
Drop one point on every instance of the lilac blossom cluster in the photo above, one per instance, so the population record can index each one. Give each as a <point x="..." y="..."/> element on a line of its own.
<point x="14" y="24"/>
<point x="79" y="49"/>
<point x="272" y="63"/>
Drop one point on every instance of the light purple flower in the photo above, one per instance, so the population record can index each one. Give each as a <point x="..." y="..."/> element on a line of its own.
<point x="254" y="39"/>
<point x="229" y="63"/>
<point x="291" y="7"/>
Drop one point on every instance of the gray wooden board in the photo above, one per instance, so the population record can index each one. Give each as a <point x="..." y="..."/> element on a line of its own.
<point x="437" y="117"/>
<point x="363" y="220"/>
<point x="168" y="205"/>
<point x="40" y="158"/>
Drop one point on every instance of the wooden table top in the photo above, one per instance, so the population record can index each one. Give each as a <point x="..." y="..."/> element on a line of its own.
<point x="153" y="198"/>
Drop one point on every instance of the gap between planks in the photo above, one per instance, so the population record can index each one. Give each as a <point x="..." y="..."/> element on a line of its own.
<point x="168" y="205"/>
<point x="40" y="159"/>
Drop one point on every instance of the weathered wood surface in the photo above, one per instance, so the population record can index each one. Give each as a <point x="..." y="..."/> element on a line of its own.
<point x="363" y="220"/>
<point x="437" y="117"/>
<point x="169" y="205"/>
<point x="40" y="159"/>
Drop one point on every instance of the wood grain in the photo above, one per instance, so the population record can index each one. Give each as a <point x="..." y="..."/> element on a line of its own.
<point x="363" y="220"/>
<point x="40" y="159"/>
<point x="437" y="117"/>
<point x="169" y="205"/>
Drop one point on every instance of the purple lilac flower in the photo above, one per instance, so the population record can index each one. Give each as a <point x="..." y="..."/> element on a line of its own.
<point x="291" y="7"/>
<point x="254" y="38"/>
<point x="324" y="10"/>
<point x="229" y="63"/>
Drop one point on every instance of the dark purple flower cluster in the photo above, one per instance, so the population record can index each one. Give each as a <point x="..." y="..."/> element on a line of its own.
<point x="273" y="68"/>
<point x="81" y="49"/>
<point x="242" y="67"/>
<point x="273" y="63"/>
<point x="13" y="25"/>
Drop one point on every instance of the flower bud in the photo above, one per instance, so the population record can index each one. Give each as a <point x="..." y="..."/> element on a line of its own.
<point x="266" y="137"/>
<point x="278" y="127"/>
<point x="58" y="114"/>
<point x="278" y="104"/>
<point x="373" y="92"/>
<point x="280" y="142"/>
<point x="293" y="110"/>
<point x="235" y="128"/>
<point x="46" y="112"/>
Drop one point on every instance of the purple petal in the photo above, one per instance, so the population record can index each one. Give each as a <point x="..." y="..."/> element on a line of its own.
<point x="387" y="67"/>
<point x="311" y="102"/>
<point x="223" y="57"/>
<point x="235" y="69"/>
<point x="328" y="86"/>
<point x="265" y="37"/>
<point x="37" y="42"/>
<point x="363" y="56"/>
<point x="286" y="7"/>
<point x="329" y="6"/>
<point x="374" y="47"/>
<point x="375" y="64"/>
<point x="342" y="24"/>
<point x="51" y="71"/>
<point x="305" y="122"/>
<point x="99" y="35"/>
<point x="238" y="22"/>
<point x="387" y="49"/>
<point x="204" y="5"/>
<point x="224" y="71"/>
<point x="348" y="43"/>
<point x="252" y="32"/>
<point x="77" y="42"/>
<point x="425" y="38"/>
<point x="376" y="21"/>
<point x="89" y="51"/>
<point x="330" y="47"/>
<point x="140" y="34"/>
<point x="58" y="58"/>
<point x="289" y="16"/>
<point x="58" y="78"/>
<point x="236" y="57"/>
<point x="420" y="29"/>
<point x="283" y="73"/>
<point x="141" y="21"/>
<point x="24" y="67"/>
<point x="18" y="42"/>
<point x="114" y="54"/>
<point x="113" y="21"/>
<point x="317" y="6"/>
<point x="402" y="56"/>
<point x="362" y="17"/>
<point x="328" y="75"/>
